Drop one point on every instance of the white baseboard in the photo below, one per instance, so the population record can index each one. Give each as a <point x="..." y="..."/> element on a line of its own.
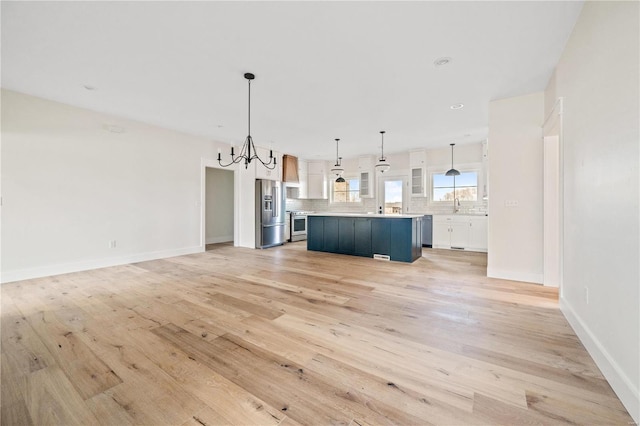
<point x="223" y="239"/>
<point x="620" y="383"/>
<point x="503" y="274"/>
<point x="45" y="271"/>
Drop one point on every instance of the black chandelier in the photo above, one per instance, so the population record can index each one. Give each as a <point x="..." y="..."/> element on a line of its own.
<point x="248" y="151"/>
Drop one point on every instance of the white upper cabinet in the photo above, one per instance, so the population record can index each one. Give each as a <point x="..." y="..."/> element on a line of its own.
<point x="366" y="175"/>
<point x="303" y="176"/>
<point x="317" y="180"/>
<point x="418" y="167"/>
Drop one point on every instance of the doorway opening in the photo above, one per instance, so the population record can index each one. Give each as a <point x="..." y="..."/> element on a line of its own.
<point x="219" y="208"/>
<point x="392" y="195"/>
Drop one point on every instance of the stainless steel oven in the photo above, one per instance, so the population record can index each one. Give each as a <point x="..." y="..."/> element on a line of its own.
<point x="298" y="225"/>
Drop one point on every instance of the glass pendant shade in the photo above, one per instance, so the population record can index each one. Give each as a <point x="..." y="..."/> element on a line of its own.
<point x="382" y="165"/>
<point x="337" y="168"/>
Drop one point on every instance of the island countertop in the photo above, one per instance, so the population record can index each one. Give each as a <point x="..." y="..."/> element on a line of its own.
<point x="368" y="215"/>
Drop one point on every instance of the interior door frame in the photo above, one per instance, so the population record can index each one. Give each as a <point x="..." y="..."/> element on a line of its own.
<point x="213" y="164"/>
<point x="381" y="179"/>
<point x="553" y="210"/>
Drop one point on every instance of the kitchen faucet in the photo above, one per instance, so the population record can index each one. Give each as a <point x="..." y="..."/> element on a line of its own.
<point x="456" y="205"/>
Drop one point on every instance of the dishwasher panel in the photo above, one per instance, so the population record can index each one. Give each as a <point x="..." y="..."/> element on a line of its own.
<point x="427" y="231"/>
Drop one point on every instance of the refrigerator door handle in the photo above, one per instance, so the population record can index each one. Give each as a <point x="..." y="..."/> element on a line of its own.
<point x="274" y="211"/>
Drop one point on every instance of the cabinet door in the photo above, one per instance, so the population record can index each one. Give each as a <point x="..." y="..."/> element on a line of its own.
<point x="365" y="185"/>
<point x="441" y="234"/>
<point x="316" y="187"/>
<point x="417" y="158"/>
<point x="316" y="167"/>
<point x="478" y="235"/>
<point x="459" y="234"/>
<point x="417" y="182"/>
<point x="381" y="236"/>
<point x="402" y="233"/>
<point x="331" y="234"/>
<point x="346" y="236"/>
<point x="315" y="233"/>
<point x="362" y="241"/>
<point x="303" y="176"/>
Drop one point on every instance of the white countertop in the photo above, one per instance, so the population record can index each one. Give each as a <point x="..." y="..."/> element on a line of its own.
<point x="386" y="216"/>
<point x="458" y="214"/>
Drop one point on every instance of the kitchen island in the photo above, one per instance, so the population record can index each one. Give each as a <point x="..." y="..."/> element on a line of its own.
<point x="392" y="237"/>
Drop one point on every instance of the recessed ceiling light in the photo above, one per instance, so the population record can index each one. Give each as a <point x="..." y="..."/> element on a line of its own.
<point x="456" y="106"/>
<point x="442" y="61"/>
<point x="89" y="87"/>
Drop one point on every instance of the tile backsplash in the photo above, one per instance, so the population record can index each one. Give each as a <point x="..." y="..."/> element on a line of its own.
<point x="418" y="205"/>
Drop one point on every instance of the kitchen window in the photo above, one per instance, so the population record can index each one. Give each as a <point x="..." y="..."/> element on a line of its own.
<point x="464" y="187"/>
<point x="347" y="191"/>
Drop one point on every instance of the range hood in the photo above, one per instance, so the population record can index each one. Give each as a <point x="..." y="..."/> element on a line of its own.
<point x="290" y="169"/>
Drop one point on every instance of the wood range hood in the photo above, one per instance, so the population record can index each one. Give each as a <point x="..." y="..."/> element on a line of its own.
<point x="290" y="169"/>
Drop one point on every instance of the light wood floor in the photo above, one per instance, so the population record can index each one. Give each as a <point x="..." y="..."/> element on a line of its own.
<point x="284" y="336"/>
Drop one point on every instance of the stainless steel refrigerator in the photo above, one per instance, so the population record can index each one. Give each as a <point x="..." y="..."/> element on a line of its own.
<point x="270" y="213"/>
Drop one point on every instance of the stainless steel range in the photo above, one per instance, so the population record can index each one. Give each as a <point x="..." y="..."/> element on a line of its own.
<point x="298" y="225"/>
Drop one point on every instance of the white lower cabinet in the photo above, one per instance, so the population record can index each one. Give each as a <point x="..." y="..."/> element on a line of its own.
<point x="478" y="233"/>
<point x="460" y="232"/>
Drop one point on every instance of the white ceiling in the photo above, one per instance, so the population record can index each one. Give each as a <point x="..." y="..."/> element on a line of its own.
<point x="324" y="70"/>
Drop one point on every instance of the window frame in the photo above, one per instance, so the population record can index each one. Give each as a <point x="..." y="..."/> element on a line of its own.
<point x="462" y="168"/>
<point x="345" y="203"/>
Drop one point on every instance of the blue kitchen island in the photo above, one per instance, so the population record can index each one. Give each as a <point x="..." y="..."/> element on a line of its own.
<point x="393" y="237"/>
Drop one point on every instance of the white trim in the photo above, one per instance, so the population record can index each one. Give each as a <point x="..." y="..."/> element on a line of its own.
<point x="556" y="111"/>
<point x="207" y="162"/>
<point x="222" y="239"/>
<point x="504" y="274"/>
<point x="620" y="383"/>
<point x="332" y="203"/>
<point x="65" y="268"/>
<point x="552" y="126"/>
<point x="463" y="168"/>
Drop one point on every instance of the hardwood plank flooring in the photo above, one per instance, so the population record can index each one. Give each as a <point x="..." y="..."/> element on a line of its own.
<point x="287" y="337"/>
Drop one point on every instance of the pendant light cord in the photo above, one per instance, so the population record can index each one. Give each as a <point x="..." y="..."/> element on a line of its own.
<point x="249" y="112"/>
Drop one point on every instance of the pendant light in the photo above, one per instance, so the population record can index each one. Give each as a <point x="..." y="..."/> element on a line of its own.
<point x="382" y="165"/>
<point x="248" y="151"/>
<point x="337" y="168"/>
<point x="452" y="171"/>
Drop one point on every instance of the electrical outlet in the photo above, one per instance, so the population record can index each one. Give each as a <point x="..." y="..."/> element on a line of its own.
<point x="586" y="295"/>
<point x="112" y="244"/>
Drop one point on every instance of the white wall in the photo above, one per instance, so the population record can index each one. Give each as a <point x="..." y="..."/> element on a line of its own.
<point x="219" y="205"/>
<point x="515" y="170"/>
<point x="69" y="187"/>
<point x="597" y="76"/>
